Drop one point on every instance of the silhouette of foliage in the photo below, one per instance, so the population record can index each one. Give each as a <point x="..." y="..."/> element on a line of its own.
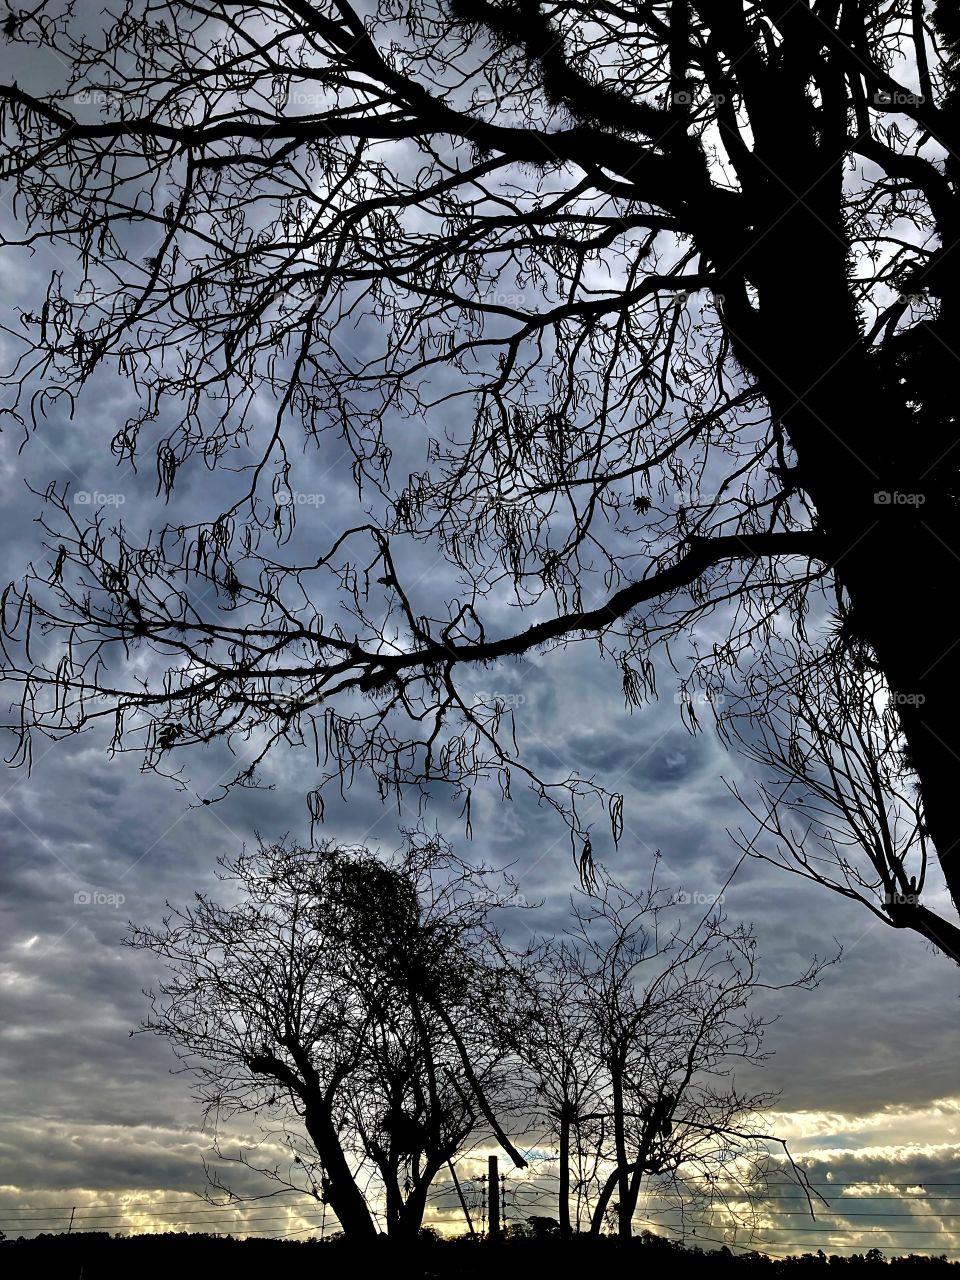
<point x="357" y="1007"/>
<point x="103" y="1257"/>
<point x="670" y="290"/>
<point x="637" y="1031"/>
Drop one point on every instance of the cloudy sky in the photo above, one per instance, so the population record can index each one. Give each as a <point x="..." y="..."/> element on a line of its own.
<point x="94" y="1119"/>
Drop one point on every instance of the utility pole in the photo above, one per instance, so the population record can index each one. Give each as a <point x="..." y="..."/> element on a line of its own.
<point x="463" y="1202"/>
<point x="494" y="1228"/>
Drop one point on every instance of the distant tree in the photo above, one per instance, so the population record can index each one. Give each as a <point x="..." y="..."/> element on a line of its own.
<point x="669" y="291"/>
<point x="557" y="1045"/>
<point x="535" y="1227"/>
<point x="356" y="1004"/>
<point x="634" y="1045"/>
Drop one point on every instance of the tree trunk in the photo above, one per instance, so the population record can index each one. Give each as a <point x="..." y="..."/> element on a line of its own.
<point x="893" y="522"/>
<point x="875" y="435"/>
<point x="634" y="1193"/>
<point x="410" y="1219"/>
<point x="342" y="1193"/>
<point x="620" y="1148"/>
<point x="394" y="1207"/>
<point x="563" y="1201"/>
<point x="600" y="1208"/>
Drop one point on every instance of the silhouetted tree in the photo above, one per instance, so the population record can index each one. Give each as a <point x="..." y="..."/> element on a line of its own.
<point x="557" y="1048"/>
<point x="672" y="285"/>
<point x="637" y="1033"/>
<point x="835" y="806"/>
<point x="359" y="1000"/>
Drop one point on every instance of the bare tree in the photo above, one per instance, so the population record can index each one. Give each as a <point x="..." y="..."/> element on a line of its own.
<point x="673" y="287"/>
<point x="556" y="1047"/>
<point x="634" y="1048"/>
<point x="835" y="806"/>
<point x="358" y="1001"/>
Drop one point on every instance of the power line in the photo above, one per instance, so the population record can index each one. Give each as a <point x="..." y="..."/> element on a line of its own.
<point x="166" y="1213"/>
<point x="799" y="1213"/>
<point x="194" y="1199"/>
<point x="238" y="1216"/>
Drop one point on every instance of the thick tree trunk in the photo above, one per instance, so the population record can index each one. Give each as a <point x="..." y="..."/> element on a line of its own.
<point x="636" y="1169"/>
<point x="892" y="518"/>
<point x="878" y="458"/>
<point x="343" y="1195"/>
<point x="410" y="1219"/>
<point x="600" y="1208"/>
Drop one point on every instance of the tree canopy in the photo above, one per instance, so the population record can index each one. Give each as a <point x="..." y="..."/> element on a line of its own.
<point x="359" y="1007"/>
<point x="626" y="315"/>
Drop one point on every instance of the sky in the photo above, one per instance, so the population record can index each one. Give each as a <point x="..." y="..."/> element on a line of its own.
<point x="94" y="1120"/>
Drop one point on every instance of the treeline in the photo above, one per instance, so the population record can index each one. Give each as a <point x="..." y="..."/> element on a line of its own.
<point x="100" y="1256"/>
<point x="370" y="1014"/>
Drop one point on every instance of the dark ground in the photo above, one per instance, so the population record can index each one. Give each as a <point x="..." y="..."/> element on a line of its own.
<point x="100" y="1256"/>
